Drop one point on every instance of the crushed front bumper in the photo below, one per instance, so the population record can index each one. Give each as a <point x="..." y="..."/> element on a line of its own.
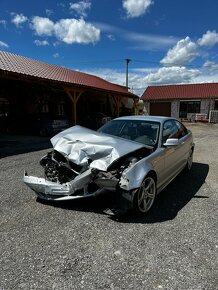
<point x="75" y="189"/>
<point x="55" y="191"/>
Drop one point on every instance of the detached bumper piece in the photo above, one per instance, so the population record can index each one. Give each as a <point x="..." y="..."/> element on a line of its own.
<point x="75" y="189"/>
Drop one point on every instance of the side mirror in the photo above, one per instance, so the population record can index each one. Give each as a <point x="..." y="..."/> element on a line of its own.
<point x="171" y="142"/>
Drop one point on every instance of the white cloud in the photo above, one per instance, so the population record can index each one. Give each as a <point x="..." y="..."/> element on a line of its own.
<point x="42" y="26"/>
<point x="172" y="75"/>
<point x="3" y="22"/>
<point x="61" y="4"/>
<point x="76" y="31"/>
<point x="149" y="42"/>
<point x="210" y="64"/>
<point x="139" y="41"/>
<point x="182" y="53"/>
<point x="111" y="37"/>
<point x="67" y="30"/>
<point x="111" y="75"/>
<point x="81" y="7"/>
<point x="56" y="43"/>
<point x="49" y="12"/>
<point x="140" y="78"/>
<point x="3" y="44"/>
<point x="210" y="67"/>
<point x="210" y="38"/>
<point x="143" y="70"/>
<point x="41" y="42"/>
<point x="136" y="82"/>
<point x="56" y="55"/>
<point x="135" y="8"/>
<point x="18" y="19"/>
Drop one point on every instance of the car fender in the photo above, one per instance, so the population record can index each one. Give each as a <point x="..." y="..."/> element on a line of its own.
<point x="133" y="176"/>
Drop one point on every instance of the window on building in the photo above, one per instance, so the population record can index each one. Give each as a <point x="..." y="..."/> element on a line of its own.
<point x="4" y="108"/>
<point x="189" y="107"/>
<point x="43" y="107"/>
<point x="216" y="105"/>
<point x="61" y="109"/>
<point x="4" y="115"/>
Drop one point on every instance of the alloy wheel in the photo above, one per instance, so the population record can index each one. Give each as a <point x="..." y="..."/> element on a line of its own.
<point x="145" y="195"/>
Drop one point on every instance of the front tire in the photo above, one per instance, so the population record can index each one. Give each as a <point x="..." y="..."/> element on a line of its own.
<point x="188" y="166"/>
<point x="145" y="195"/>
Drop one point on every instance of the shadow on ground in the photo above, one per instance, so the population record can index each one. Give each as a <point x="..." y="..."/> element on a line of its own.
<point x="18" y="144"/>
<point x="166" y="207"/>
<point x="174" y="197"/>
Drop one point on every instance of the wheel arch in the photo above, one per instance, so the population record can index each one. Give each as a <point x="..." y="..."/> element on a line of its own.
<point x="136" y="175"/>
<point x="153" y="174"/>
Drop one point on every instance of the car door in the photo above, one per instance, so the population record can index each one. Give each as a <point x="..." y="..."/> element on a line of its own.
<point x="185" y="140"/>
<point x="173" y="154"/>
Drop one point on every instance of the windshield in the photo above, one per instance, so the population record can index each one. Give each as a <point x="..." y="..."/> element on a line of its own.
<point x="144" y="132"/>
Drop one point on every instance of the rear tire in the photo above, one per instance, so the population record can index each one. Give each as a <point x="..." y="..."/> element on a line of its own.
<point x="145" y="195"/>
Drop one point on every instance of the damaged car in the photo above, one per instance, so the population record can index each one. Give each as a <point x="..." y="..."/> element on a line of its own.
<point x="134" y="157"/>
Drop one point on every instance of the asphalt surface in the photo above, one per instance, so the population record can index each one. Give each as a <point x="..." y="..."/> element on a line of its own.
<point x="78" y="246"/>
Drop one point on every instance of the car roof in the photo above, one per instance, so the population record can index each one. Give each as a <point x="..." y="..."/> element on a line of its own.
<point x="159" y="119"/>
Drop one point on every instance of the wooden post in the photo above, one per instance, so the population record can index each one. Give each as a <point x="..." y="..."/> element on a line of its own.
<point x="117" y="101"/>
<point x="74" y="96"/>
<point x="135" y="106"/>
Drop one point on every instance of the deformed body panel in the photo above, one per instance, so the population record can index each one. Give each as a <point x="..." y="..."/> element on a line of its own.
<point x="44" y="186"/>
<point x="82" y="146"/>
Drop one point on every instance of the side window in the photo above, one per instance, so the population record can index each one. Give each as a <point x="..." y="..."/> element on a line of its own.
<point x="182" y="131"/>
<point x="167" y="130"/>
<point x="170" y="130"/>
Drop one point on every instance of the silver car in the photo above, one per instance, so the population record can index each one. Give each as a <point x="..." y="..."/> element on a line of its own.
<point x="134" y="157"/>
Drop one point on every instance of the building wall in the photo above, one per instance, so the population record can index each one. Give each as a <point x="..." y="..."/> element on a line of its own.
<point x="175" y="109"/>
<point x="206" y="106"/>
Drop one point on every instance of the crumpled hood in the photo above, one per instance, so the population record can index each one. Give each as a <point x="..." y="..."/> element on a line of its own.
<point x="81" y="146"/>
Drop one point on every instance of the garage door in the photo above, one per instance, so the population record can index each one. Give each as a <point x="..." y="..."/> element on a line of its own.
<point x="160" y="109"/>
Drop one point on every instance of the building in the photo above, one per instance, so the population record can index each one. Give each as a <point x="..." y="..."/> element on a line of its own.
<point x="29" y="86"/>
<point x="181" y="101"/>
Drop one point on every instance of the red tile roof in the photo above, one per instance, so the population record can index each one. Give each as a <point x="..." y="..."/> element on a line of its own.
<point x="189" y="91"/>
<point x="28" y="67"/>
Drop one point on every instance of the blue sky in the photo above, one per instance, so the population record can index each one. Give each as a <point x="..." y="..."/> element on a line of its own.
<point x="168" y="42"/>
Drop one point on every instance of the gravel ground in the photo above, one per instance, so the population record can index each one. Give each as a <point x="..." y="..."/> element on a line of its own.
<point x="78" y="246"/>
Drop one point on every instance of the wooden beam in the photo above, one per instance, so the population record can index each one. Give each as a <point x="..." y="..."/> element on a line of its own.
<point x="74" y="95"/>
<point x="117" y="101"/>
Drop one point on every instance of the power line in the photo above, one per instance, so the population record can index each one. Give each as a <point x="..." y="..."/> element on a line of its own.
<point x="168" y="64"/>
<point x="105" y="61"/>
<point x="98" y="61"/>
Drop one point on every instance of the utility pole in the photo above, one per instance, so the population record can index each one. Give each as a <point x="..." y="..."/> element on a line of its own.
<point x="127" y="70"/>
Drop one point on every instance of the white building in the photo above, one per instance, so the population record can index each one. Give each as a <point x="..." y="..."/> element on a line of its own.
<point x="181" y="101"/>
